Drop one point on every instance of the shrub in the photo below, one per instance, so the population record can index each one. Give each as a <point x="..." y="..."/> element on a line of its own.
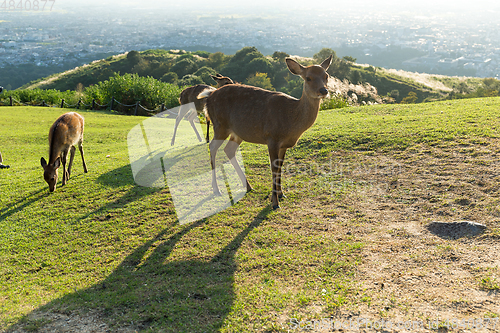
<point x="131" y="88"/>
<point x="39" y="96"/>
<point x="334" y="102"/>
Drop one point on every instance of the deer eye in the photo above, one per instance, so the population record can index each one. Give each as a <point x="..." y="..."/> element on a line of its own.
<point x="308" y="79"/>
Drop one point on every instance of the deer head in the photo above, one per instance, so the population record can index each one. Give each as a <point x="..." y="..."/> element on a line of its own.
<point x="50" y="172"/>
<point x="315" y="77"/>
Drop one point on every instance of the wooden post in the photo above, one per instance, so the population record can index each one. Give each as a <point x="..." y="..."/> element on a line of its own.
<point x="43" y="103"/>
<point x="93" y="104"/>
<point x="10" y="97"/>
<point x="62" y="104"/>
<point x="162" y="107"/>
<point x="136" y="108"/>
<point x="112" y="103"/>
<point x="78" y="105"/>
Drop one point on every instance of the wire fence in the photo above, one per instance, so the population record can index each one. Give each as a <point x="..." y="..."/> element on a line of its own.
<point x="131" y="109"/>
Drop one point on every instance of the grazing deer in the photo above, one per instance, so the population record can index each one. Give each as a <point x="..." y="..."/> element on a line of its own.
<point x="64" y="135"/>
<point x="266" y="117"/>
<point x="3" y="166"/>
<point x="190" y="95"/>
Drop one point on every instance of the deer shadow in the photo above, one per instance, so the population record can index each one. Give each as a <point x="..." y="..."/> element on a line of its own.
<point x="160" y="293"/>
<point x="21" y="204"/>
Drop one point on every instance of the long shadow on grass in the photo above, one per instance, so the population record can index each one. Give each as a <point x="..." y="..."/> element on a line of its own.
<point x="149" y="291"/>
<point x="15" y="207"/>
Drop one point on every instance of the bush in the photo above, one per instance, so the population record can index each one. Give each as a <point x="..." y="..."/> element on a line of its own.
<point x="334" y="102"/>
<point x="190" y="80"/>
<point x="131" y="88"/>
<point x="39" y="96"/>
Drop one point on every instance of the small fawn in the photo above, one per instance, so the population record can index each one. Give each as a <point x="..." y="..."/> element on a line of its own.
<point x="266" y="117"/>
<point x="64" y="135"/>
<point x="190" y="95"/>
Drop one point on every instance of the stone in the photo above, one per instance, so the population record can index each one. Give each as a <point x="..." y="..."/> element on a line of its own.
<point x="455" y="230"/>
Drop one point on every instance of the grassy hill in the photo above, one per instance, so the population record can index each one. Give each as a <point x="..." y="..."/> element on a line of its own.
<point x="349" y="241"/>
<point x="157" y="63"/>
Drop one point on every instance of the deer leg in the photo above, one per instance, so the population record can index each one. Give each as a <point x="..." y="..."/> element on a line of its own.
<point x="64" y="154"/>
<point x="208" y="130"/>
<point x="230" y="150"/>
<point x="191" y="119"/>
<point x="214" y="146"/>
<point x="71" y="156"/>
<point x="274" y="159"/>
<point x="80" y="147"/>
<point x="182" y="112"/>
<point x="279" y="161"/>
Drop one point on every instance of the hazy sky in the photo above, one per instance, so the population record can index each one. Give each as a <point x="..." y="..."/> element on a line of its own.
<point x="341" y="5"/>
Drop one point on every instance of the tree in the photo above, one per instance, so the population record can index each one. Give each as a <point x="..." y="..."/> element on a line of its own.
<point x="355" y="77"/>
<point x="184" y="67"/>
<point x="258" y="65"/>
<point x="204" y="73"/>
<point x="134" y="57"/>
<point x="411" y="98"/>
<point x="349" y="59"/>
<point x="246" y="62"/>
<point x="280" y="56"/>
<point x="323" y="54"/>
<point x="217" y="60"/>
<point x="170" y="77"/>
<point x="190" y="80"/>
<point x="394" y="94"/>
<point x="260" y="80"/>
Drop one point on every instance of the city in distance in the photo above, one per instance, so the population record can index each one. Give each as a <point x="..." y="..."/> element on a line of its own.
<point x="424" y="36"/>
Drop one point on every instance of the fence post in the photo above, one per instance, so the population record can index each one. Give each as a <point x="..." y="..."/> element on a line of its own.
<point x="162" y="107"/>
<point x="62" y="104"/>
<point x="112" y="103"/>
<point x="10" y="97"/>
<point x="78" y="105"/>
<point x="93" y="104"/>
<point x="136" y="108"/>
<point x="43" y="104"/>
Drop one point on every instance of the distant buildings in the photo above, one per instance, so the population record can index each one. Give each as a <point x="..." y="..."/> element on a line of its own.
<point x="62" y="37"/>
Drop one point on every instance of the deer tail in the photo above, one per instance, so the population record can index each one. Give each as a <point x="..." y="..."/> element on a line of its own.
<point x="205" y="93"/>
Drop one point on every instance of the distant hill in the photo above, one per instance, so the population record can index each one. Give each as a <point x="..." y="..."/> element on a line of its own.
<point x="189" y="68"/>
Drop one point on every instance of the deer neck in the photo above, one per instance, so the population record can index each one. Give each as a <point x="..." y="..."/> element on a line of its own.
<point x="308" y="109"/>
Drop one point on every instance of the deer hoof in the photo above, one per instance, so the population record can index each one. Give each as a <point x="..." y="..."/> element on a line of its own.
<point x="276" y="207"/>
<point x="217" y="193"/>
<point x="282" y="196"/>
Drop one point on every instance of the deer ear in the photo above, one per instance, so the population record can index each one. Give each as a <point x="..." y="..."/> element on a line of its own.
<point x="57" y="163"/>
<point x="43" y="162"/>
<point x="294" y="66"/>
<point x="326" y="63"/>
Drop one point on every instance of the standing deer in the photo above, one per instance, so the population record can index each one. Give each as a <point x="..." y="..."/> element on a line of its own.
<point x="190" y="95"/>
<point x="64" y="135"/>
<point x="266" y="117"/>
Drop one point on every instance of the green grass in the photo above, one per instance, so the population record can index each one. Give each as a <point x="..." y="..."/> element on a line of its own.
<point x="102" y="244"/>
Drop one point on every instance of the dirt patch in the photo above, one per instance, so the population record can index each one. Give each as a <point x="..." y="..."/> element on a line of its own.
<point x="407" y="272"/>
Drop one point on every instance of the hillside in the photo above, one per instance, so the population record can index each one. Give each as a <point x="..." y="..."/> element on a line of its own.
<point x="186" y="68"/>
<point x="350" y="242"/>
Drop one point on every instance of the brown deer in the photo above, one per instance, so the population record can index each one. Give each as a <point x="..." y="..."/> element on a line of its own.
<point x="64" y="135"/>
<point x="256" y="115"/>
<point x="190" y="95"/>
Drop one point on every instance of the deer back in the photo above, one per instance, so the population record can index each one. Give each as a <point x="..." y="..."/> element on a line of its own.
<point x="255" y="115"/>
<point x="66" y="131"/>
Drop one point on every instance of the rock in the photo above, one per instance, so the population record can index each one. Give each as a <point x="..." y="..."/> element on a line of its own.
<point x="455" y="230"/>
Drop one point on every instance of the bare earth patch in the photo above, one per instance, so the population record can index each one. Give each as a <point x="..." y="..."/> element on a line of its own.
<point x="408" y="274"/>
